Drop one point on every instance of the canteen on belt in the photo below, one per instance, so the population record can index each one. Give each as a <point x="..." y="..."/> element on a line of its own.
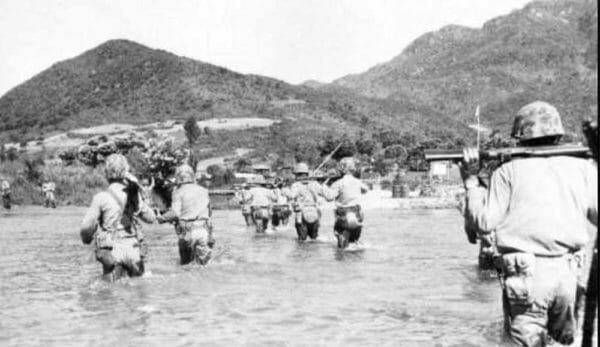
<point x="352" y="220"/>
<point x="310" y="214"/>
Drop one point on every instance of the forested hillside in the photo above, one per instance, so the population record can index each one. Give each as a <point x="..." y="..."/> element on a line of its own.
<point x="545" y="51"/>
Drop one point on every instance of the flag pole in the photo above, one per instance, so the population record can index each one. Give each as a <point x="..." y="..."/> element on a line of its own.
<point x="478" y="126"/>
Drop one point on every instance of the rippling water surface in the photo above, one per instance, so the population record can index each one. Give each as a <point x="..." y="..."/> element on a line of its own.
<point x="414" y="284"/>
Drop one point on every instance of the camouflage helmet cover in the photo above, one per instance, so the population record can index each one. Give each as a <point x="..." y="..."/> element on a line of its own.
<point x="184" y="174"/>
<point x="535" y="120"/>
<point x="116" y="166"/>
<point x="301" y="168"/>
<point x="347" y="165"/>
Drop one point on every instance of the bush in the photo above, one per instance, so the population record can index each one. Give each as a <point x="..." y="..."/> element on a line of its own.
<point x="192" y="130"/>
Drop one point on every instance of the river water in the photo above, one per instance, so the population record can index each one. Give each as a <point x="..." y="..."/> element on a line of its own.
<point x="415" y="283"/>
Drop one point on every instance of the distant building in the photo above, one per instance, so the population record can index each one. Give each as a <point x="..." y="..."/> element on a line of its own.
<point x="439" y="170"/>
<point x="444" y="171"/>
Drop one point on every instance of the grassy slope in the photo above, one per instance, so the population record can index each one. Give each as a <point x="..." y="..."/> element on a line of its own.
<point x="122" y="81"/>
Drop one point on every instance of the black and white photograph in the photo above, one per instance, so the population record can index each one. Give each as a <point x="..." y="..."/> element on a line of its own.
<point x="412" y="173"/>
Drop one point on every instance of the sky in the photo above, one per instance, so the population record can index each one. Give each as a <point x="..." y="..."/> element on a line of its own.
<point x="292" y="40"/>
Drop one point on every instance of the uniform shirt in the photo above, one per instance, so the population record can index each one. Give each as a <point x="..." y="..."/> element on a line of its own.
<point x="243" y="196"/>
<point x="4" y="186"/>
<point x="48" y="187"/>
<point x="305" y="192"/>
<point x="346" y="191"/>
<point x="107" y="212"/>
<point x="537" y="205"/>
<point x="281" y="196"/>
<point x="190" y="202"/>
<point x="260" y="196"/>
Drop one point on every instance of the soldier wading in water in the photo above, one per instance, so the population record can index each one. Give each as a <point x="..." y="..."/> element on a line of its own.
<point x="261" y="200"/>
<point x="304" y="193"/>
<point x="112" y="222"/>
<point x="538" y="208"/>
<point x="281" y="207"/>
<point x="190" y="213"/>
<point x="243" y="195"/>
<point x="348" y="214"/>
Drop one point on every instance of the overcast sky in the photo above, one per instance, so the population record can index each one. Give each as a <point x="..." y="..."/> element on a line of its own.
<point x="293" y="40"/>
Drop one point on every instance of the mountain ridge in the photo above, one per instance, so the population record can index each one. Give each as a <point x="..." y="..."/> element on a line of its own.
<point x="546" y="50"/>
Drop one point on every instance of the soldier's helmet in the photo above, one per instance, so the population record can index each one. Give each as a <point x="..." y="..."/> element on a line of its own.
<point x="301" y="168"/>
<point x="347" y="165"/>
<point x="536" y="120"/>
<point x="184" y="174"/>
<point x="116" y="167"/>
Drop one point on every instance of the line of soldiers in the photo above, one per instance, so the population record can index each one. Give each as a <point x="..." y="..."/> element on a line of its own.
<point x="260" y="204"/>
<point x="533" y="211"/>
<point x="48" y="189"/>
<point x="113" y="221"/>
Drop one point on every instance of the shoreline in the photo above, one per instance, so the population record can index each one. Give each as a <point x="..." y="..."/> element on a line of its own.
<point x="420" y="203"/>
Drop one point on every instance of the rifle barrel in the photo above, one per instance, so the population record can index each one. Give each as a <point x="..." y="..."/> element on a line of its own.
<point x="504" y="154"/>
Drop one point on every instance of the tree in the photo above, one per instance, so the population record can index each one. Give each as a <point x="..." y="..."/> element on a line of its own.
<point x="347" y="148"/>
<point x="365" y="146"/>
<point x="242" y="165"/>
<point x="192" y="130"/>
<point x="12" y="154"/>
<point x="219" y="175"/>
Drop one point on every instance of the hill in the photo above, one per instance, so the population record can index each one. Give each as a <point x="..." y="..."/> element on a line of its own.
<point x="544" y="51"/>
<point x="122" y="81"/>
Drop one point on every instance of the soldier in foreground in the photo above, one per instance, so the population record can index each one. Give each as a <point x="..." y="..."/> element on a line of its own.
<point x="48" y="188"/>
<point x="112" y="222"/>
<point x="348" y="214"/>
<point x="261" y="200"/>
<point x="190" y="213"/>
<point x="304" y="194"/>
<point x="5" y="191"/>
<point x="539" y="209"/>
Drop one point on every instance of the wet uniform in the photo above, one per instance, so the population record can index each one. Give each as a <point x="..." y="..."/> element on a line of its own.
<point x="348" y="214"/>
<point x="281" y="206"/>
<point x="119" y="238"/>
<point x="538" y="208"/>
<point x="244" y="197"/>
<point x="261" y="200"/>
<point x="190" y="210"/>
<point x="304" y="195"/>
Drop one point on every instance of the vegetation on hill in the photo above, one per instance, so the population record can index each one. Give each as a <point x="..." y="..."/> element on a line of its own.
<point x="423" y="98"/>
<point x="122" y="81"/>
<point x="545" y="51"/>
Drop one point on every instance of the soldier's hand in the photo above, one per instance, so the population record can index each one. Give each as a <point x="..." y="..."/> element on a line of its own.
<point x="469" y="166"/>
